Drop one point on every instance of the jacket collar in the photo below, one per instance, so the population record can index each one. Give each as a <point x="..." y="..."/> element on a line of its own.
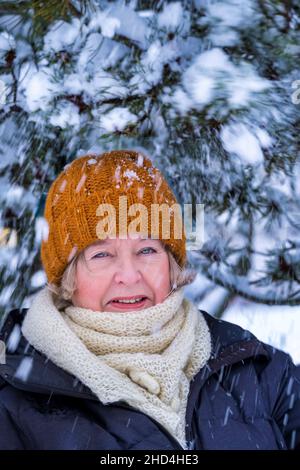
<point x="230" y="344"/>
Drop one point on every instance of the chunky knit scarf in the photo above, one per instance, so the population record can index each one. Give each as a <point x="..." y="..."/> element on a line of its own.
<point x="146" y="357"/>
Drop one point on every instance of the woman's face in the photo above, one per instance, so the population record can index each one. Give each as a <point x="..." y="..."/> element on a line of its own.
<point x="114" y="271"/>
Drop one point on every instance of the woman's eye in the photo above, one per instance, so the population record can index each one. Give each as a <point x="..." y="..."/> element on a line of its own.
<point x="102" y="254"/>
<point x="148" y="248"/>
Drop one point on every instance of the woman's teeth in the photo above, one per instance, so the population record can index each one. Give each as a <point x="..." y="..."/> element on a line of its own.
<point x="134" y="301"/>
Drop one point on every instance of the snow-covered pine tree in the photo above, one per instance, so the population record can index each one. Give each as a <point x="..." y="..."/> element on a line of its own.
<point x="207" y="88"/>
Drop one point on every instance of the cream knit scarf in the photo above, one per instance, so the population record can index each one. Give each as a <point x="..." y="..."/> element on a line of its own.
<point x="146" y="358"/>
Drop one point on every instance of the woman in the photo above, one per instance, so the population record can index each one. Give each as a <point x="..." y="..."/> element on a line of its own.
<point x="111" y="355"/>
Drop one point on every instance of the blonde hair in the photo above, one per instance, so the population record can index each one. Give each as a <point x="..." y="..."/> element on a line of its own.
<point x="179" y="277"/>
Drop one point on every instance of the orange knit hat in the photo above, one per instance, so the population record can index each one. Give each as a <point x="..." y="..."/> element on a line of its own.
<point x="71" y="209"/>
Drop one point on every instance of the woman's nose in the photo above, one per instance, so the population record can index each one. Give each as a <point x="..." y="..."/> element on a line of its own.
<point x="127" y="271"/>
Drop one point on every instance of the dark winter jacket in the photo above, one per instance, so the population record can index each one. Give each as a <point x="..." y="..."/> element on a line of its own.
<point x="246" y="397"/>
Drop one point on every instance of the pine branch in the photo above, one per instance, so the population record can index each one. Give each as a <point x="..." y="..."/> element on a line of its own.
<point x="232" y="283"/>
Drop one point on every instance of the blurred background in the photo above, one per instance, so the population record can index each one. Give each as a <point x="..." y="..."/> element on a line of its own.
<point x="210" y="90"/>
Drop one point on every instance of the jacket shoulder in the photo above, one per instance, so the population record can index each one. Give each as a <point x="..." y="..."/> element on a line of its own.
<point x="232" y="344"/>
<point x="226" y="332"/>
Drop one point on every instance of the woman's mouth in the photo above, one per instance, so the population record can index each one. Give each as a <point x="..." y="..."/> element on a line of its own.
<point x="128" y="304"/>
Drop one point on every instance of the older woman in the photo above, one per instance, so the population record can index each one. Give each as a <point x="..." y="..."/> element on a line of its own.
<point x="111" y="355"/>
